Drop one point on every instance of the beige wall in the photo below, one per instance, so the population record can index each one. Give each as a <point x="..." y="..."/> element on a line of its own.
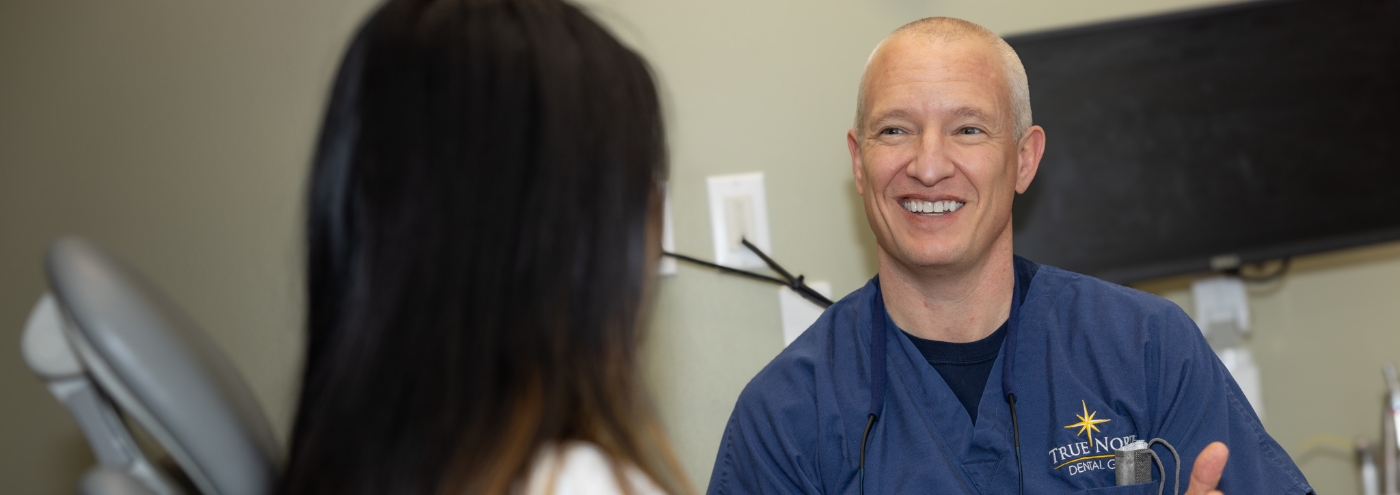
<point x="177" y="133"/>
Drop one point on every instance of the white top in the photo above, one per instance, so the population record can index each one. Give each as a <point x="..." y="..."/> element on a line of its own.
<point x="581" y="468"/>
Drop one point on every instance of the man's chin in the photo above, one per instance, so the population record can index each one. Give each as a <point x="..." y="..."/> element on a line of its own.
<point x="932" y="258"/>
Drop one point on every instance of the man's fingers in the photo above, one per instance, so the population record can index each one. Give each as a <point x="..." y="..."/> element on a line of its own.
<point x="1205" y="475"/>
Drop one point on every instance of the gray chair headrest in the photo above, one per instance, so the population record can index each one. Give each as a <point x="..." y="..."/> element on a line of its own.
<point x="160" y="369"/>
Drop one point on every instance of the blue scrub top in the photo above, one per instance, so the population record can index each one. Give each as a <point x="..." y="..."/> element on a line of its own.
<point x="1098" y="365"/>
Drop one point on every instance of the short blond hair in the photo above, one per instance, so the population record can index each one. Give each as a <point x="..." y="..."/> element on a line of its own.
<point x="948" y="29"/>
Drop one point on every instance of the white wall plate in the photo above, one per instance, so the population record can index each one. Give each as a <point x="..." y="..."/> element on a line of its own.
<point x="739" y="210"/>
<point x="668" y="232"/>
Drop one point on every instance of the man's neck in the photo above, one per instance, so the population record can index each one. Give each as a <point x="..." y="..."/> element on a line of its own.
<point x="951" y="304"/>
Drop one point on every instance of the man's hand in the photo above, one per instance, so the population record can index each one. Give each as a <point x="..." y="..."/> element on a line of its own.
<point x="1206" y="473"/>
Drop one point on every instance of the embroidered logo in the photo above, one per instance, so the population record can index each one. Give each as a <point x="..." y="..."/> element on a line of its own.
<point x="1091" y="454"/>
<point x="1087" y="423"/>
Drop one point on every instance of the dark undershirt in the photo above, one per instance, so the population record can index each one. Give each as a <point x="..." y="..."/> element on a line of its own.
<point x="966" y="366"/>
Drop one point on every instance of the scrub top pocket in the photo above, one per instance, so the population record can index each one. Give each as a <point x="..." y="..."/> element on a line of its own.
<point x="1138" y="489"/>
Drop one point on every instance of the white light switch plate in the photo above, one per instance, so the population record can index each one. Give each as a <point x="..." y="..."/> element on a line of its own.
<point x="739" y="209"/>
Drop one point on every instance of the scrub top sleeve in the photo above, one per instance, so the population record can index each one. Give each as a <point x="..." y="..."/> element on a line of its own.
<point x="770" y="443"/>
<point x="1197" y="402"/>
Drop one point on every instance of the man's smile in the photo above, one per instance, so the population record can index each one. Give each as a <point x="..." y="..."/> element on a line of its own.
<point x="931" y="208"/>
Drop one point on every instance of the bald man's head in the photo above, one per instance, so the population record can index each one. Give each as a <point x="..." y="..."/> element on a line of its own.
<point x="943" y="31"/>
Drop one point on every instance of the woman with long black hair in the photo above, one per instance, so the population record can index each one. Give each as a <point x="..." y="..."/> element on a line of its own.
<point x="482" y="233"/>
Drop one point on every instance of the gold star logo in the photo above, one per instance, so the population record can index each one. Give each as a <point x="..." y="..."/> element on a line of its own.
<point x="1086" y="423"/>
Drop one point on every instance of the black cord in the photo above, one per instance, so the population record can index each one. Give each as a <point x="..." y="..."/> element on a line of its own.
<point x="864" y="438"/>
<point x="1016" y="436"/>
<point x="766" y="260"/>
<point x="797" y="284"/>
<point x="725" y="269"/>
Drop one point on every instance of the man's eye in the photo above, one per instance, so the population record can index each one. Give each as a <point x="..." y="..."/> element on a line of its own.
<point x="891" y="131"/>
<point x="969" y="130"/>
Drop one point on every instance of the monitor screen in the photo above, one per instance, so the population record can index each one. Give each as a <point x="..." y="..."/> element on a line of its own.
<point x="1206" y="139"/>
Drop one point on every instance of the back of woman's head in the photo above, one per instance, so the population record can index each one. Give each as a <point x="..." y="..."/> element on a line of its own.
<point x="480" y="239"/>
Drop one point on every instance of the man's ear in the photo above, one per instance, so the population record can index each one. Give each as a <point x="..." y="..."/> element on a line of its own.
<point x="853" y="144"/>
<point x="1028" y="159"/>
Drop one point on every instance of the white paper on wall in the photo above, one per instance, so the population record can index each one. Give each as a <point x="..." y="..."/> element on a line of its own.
<point x="799" y="313"/>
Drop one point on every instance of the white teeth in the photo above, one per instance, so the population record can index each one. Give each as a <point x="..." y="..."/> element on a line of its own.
<point x="935" y="207"/>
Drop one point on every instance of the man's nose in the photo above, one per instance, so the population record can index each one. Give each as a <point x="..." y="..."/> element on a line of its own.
<point x="931" y="164"/>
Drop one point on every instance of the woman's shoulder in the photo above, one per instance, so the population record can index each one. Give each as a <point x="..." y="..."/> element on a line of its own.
<point x="581" y="468"/>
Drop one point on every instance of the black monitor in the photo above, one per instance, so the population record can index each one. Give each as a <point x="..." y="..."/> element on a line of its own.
<point x="1208" y="139"/>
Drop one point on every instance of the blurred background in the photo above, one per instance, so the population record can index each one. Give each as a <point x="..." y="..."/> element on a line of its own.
<point x="178" y="135"/>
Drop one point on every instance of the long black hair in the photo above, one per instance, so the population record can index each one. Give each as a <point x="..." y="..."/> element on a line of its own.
<point x="481" y="237"/>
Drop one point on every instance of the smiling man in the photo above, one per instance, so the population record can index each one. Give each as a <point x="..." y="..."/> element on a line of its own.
<point x="962" y="368"/>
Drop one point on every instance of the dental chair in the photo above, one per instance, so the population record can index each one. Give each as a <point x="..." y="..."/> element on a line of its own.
<point x="140" y="377"/>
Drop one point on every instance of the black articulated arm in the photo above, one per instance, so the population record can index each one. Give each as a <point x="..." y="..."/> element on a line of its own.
<point x="798" y="284"/>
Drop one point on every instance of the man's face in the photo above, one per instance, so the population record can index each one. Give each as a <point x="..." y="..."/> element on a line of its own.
<point x="936" y="159"/>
